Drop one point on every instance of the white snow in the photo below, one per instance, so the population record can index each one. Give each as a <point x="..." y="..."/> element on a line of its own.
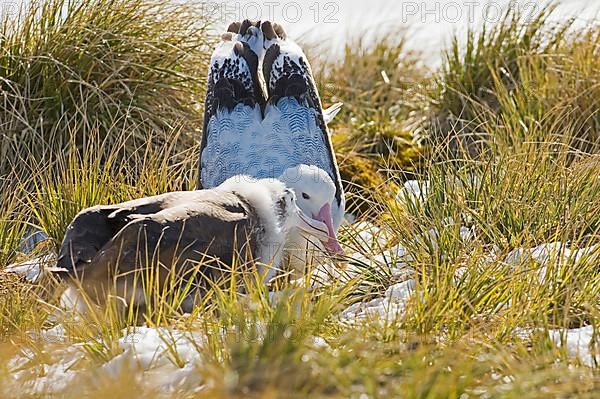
<point x="33" y="269"/>
<point x="389" y="307"/>
<point x="371" y="235"/>
<point x="582" y="343"/>
<point x="414" y="191"/>
<point x="72" y="300"/>
<point x="162" y="359"/>
<point x="548" y="254"/>
<point x="46" y="373"/>
<point x="168" y="358"/>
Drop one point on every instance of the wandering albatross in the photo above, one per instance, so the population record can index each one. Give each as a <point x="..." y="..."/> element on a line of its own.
<point x="263" y="116"/>
<point x="196" y="236"/>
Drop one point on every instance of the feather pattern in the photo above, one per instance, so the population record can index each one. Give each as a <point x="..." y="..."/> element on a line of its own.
<point x="245" y="135"/>
<point x="288" y="136"/>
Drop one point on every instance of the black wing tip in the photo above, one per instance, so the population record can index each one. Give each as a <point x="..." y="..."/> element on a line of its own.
<point x="234" y="27"/>
<point x="247" y="24"/>
<point x="228" y="93"/>
<point x="293" y="85"/>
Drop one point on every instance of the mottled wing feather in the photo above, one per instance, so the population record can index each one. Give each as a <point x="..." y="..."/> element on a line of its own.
<point x="94" y="227"/>
<point x="239" y="138"/>
<point x="198" y="241"/>
<point x="228" y="150"/>
<point x="234" y="99"/>
<point x="292" y="91"/>
<point x="94" y="233"/>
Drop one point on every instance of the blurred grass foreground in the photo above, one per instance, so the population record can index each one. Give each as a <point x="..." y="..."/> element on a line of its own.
<point x="472" y="269"/>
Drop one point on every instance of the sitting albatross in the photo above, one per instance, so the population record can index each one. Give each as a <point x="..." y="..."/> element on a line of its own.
<point x="264" y="122"/>
<point x="196" y="235"/>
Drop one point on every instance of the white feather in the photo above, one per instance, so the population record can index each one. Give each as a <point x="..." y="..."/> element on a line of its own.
<point x="330" y="113"/>
<point x="242" y="143"/>
<point x="245" y="142"/>
<point x="262" y="194"/>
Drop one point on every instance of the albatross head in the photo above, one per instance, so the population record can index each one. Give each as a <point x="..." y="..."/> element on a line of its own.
<point x="315" y="194"/>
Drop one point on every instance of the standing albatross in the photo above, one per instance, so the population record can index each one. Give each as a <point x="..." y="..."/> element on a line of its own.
<point x="193" y="238"/>
<point x="263" y="116"/>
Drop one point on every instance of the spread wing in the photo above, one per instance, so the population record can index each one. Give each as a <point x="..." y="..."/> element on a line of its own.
<point x="234" y="102"/>
<point x="244" y="133"/>
<point x="93" y="227"/>
<point x="294" y="113"/>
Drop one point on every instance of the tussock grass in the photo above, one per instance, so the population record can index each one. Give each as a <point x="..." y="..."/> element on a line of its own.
<point x="66" y="68"/>
<point x="380" y="88"/>
<point x="519" y="78"/>
<point x="510" y="204"/>
<point x="106" y="171"/>
<point x="12" y="220"/>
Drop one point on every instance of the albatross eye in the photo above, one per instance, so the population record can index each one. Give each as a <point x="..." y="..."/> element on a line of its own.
<point x="305" y="196"/>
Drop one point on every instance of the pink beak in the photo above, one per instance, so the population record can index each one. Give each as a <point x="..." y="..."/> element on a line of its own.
<point x="332" y="245"/>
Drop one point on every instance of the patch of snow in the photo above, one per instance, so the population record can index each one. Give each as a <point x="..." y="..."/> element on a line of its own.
<point x="55" y="334"/>
<point x="547" y="254"/>
<point x="167" y="357"/>
<point x="397" y="254"/>
<point x="431" y="238"/>
<point x="371" y="235"/>
<point x="319" y="343"/>
<point x="72" y="300"/>
<point x="466" y="233"/>
<point x="413" y="191"/>
<point x="582" y="343"/>
<point x="417" y="191"/>
<point x="483" y="261"/>
<point x="401" y="292"/>
<point x="50" y="374"/>
<point x="165" y="360"/>
<point x="392" y="262"/>
<point x="544" y="254"/>
<point x="390" y="306"/>
<point x="33" y="269"/>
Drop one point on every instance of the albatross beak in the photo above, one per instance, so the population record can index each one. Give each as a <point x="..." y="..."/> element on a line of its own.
<point x="313" y="227"/>
<point x="332" y="244"/>
<point x="321" y="231"/>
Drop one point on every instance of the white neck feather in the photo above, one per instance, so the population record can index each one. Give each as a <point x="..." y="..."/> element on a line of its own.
<point x="262" y="195"/>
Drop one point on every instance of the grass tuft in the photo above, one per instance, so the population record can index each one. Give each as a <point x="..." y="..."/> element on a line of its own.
<point x="68" y="70"/>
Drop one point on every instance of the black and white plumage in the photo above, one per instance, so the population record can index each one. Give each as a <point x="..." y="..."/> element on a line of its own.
<point x="263" y="113"/>
<point x="194" y="235"/>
